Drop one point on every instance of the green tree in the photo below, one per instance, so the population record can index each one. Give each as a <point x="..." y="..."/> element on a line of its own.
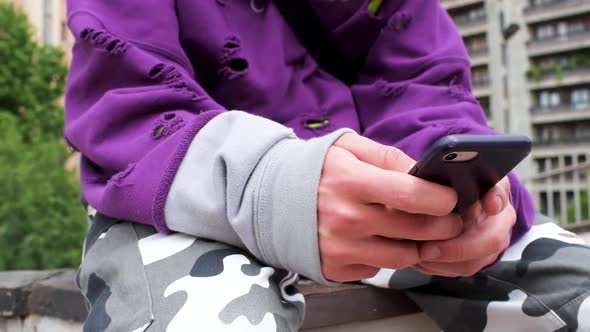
<point x="41" y="222"/>
<point x="32" y="76"/>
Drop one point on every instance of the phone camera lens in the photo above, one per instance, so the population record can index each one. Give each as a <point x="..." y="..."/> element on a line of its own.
<point x="450" y="157"/>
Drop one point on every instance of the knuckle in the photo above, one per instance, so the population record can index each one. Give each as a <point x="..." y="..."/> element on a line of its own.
<point x="339" y="176"/>
<point x="344" y="220"/>
<point x="497" y="243"/>
<point x="391" y="155"/>
<point x="334" y="253"/>
<point x="398" y="262"/>
<point x="456" y="226"/>
<point x="456" y="252"/>
<point x="335" y="181"/>
<point x="447" y="228"/>
<point x="403" y="192"/>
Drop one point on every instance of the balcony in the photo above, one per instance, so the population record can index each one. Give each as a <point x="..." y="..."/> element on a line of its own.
<point x="556" y="9"/>
<point x="562" y="113"/>
<point x="481" y="88"/>
<point x="574" y="140"/>
<point x="452" y="4"/>
<point x="479" y="56"/>
<point x="569" y="42"/>
<point x="565" y="77"/>
<point x="469" y="26"/>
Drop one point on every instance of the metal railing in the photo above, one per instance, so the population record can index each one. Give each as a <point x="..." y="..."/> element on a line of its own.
<point x="562" y="108"/>
<point x="465" y="21"/>
<point x="481" y="83"/>
<point x="564" y="140"/>
<point x="550" y="5"/>
<point x="475" y="52"/>
<point x="563" y="194"/>
<point x="560" y="38"/>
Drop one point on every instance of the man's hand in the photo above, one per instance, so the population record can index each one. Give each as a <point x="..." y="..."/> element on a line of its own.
<point x="486" y="235"/>
<point x="372" y="213"/>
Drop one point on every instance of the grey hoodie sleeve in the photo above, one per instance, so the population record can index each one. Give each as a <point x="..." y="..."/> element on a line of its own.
<point x="250" y="182"/>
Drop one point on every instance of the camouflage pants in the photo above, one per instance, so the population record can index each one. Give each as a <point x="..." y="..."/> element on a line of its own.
<point x="137" y="280"/>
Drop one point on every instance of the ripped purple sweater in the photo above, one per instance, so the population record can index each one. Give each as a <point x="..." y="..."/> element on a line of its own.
<point x="148" y="75"/>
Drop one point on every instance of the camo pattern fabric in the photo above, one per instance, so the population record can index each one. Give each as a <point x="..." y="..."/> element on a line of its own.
<point x="542" y="283"/>
<point x="135" y="279"/>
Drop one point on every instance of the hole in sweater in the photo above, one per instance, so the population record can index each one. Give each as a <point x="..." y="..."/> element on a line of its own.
<point x="156" y="70"/>
<point x="158" y="131"/>
<point x="237" y="64"/>
<point x="316" y="123"/>
<point x="374" y="6"/>
<point x="111" y="46"/>
<point x="169" y="116"/>
<point x="84" y="34"/>
<point x="231" y="45"/>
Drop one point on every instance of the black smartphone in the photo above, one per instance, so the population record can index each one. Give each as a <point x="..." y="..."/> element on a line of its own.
<point x="471" y="164"/>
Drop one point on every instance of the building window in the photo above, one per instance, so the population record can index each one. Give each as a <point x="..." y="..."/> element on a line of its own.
<point x="562" y="29"/>
<point x="576" y="27"/>
<point x="582" y="131"/>
<point x="548" y="100"/>
<point x="580" y="98"/>
<point x="545" y="32"/>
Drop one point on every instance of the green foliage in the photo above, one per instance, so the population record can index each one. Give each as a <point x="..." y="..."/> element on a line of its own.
<point x="571" y="208"/>
<point x="32" y="76"/>
<point x="42" y="224"/>
<point x="537" y="73"/>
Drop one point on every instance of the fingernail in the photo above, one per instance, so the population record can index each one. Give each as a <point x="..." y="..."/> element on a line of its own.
<point x="431" y="252"/>
<point x="499" y="204"/>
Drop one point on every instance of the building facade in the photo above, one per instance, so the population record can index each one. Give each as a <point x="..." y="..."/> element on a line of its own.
<point x="531" y="73"/>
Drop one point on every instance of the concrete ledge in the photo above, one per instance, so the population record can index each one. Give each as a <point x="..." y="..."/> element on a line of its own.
<point x="327" y="306"/>
<point x="53" y="294"/>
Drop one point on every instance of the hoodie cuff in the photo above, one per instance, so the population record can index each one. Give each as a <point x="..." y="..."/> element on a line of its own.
<point x="286" y="204"/>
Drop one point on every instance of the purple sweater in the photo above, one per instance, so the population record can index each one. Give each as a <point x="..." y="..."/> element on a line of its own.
<point x="148" y="75"/>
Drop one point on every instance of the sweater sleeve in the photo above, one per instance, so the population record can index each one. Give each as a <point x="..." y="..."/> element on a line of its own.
<point x="415" y="87"/>
<point x="158" y="150"/>
<point x="132" y="108"/>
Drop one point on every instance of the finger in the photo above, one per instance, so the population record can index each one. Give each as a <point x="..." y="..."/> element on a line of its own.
<point x="478" y="240"/>
<point x="497" y="198"/>
<point x="389" y="223"/>
<point x="464" y="269"/>
<point x="403" y="191"/>
<point x="379" y="155"/>
<point x="375" y="251"/>
<point x="348" y="273"/>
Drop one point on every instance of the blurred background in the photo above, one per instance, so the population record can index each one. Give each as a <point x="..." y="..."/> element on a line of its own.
<point x="531" y="74"/>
